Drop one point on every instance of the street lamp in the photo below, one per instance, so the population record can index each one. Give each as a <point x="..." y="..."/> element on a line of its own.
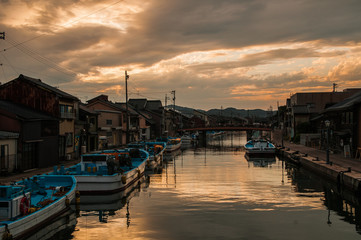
<point x="327" y="123"/>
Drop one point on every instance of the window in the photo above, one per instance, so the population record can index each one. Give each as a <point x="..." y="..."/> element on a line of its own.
<point x="109" y="122"/>
<point x="69" y="139"/>
<point x="92" y="120"/>
<point x="66" y="111"/>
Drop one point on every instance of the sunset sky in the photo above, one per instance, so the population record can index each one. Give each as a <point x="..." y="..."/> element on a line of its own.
<point x="214" y="53"/>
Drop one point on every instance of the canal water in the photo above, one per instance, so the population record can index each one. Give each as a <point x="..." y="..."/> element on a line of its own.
<point x="215" y="193"/>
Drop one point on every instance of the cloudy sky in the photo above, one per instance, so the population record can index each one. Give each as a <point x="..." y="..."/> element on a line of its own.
<point x="214" y="53"/>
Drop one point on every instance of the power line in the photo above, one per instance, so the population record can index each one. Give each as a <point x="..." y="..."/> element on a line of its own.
<point x="41" y="59"/>
<point x="63" y="26"/>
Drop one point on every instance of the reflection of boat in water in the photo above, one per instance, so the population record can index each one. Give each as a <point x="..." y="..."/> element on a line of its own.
<point x="61" y="228"/>
<point x="259" y="149"/>
<point x="103" y="207"/>
<point x="108" y="171"/>
<point x="263" y="162"/>
<point x="169" y="156"/>
<point x="29" y="204"/>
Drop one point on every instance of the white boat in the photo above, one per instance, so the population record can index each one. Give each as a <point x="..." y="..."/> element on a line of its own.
<point x="60" y="227"/>
<point x="186" y="139"/>
<point x="155" y="150"/>
<point x="173" y="143"/>
<point x="108" y="171"/>
<point x="260" y="148"/>
<point x="26" y="206"/>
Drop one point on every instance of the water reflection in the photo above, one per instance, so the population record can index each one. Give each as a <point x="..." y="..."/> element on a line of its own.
<point x="266" y="162"/>
<point x="345" y="203"/>
<point x="215" y="193"/>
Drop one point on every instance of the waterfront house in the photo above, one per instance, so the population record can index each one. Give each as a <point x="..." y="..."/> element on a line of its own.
<point x="86" y="127"/>
<point x="8" y="151"/>
<point x="153" y="112"/>
<point x="139" y="128"/>
<point x="42" y="97"/>
<point x="302" y="107"/>
<point x="111" y="122"/>
<point x="345" y="125"/>
<point x="29" y="138"/>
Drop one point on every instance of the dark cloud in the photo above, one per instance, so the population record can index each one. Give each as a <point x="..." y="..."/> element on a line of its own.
<point x="61" y="45"/>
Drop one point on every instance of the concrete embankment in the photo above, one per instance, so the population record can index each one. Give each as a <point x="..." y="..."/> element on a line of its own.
<point x="345" y="172"/>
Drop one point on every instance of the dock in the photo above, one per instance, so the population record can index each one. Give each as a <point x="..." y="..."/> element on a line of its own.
<point x="345" y="172"/>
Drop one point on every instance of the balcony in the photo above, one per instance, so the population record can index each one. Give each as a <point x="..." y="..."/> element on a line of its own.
<point x="67" y="115"/>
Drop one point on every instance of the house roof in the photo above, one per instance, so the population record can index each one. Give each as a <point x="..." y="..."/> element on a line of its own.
<point x="38" y="82"/>
<point x="130" y="108"/>
<point x="138" y="103"/>
<point x="24" y="112"/>
<point x="345" y="104"/>
<point x="153" y="104"/>
<point x="86" y="109"/>
<point x="102" y="100"/>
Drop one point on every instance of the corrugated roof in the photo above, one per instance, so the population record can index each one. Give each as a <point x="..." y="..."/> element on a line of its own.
<point x="23" y="111"/>
<point x="48" y="87"/>
<point x="345" y="104"/>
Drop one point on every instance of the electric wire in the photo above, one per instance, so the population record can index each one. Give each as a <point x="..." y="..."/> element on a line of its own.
<point x="41" y="59"/>
<point x="11" y="66"/>
<point x="66" y="24"/>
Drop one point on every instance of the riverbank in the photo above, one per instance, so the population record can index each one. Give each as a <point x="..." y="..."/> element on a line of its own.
<point x="345" y="172"/>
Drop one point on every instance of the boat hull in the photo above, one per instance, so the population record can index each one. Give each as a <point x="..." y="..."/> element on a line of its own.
<point x="108" y="184"/>
<point x="27" y="225"/>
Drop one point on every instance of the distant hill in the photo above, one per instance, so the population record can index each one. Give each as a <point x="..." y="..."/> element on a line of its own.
<point x="228" y="112"/>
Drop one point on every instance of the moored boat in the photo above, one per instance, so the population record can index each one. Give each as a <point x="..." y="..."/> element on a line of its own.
<point x="155" y="150"/>
<point x="27" y="205"/>
<point x="259" y="148"/>
<point x="108" y="171"/>
<point x="173" y="143"/>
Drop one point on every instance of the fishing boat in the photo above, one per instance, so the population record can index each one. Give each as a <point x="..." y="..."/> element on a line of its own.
<point x="26" y="206"/>
<point x="259" y="148"/>
<point x="108" y="171"/>
<point x="173" y="143"/>
<point x="155" y="150"/>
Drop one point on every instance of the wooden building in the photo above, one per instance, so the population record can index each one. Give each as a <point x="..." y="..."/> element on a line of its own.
<point x="42" y="97"/>
<point x="37" y="141"/>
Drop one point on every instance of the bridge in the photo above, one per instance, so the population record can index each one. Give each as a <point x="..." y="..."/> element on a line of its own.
<point x="203" y="131"/>
<point x="244" y="128"/>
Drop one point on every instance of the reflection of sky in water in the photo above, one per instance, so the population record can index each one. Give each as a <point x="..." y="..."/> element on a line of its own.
<point x="217" y="194"/>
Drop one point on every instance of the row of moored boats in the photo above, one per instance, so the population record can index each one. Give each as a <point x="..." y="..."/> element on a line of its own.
<point x="26" y="205"/>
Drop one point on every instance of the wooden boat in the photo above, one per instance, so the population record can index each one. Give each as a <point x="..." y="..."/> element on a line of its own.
<point x="155" y="150"/>
<point x="26" y="206"/>
<point x="108" y="171"/>
<point x="260" y="148"/>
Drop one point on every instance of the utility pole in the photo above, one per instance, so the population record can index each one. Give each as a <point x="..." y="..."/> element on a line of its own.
<point x="2" y="35"/>
<point x="174" y="124"/>
<point x="126" y="106"/>
<point x="165" y="100"/>
<point x="173" y="92"/>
